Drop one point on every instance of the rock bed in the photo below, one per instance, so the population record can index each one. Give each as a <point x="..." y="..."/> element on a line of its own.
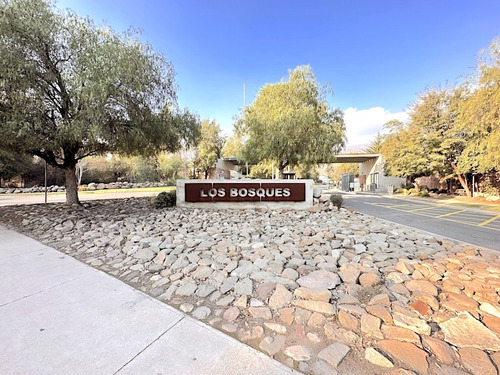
<point x="325" y="292"/>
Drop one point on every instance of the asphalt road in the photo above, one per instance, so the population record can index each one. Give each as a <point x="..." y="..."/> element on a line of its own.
<point x="481" y="228"/>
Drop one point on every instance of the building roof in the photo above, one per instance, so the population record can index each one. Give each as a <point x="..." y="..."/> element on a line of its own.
<point x="355" y="158"/>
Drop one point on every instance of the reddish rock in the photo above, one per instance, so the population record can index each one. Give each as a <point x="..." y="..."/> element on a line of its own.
<point x="422" y="286"/>
<point x="496" y="359"/>
<point x="300" y="332"/>
<point x="483" y="295"/>
<point x="370" y="326"/>
<point x="286" y="315"/>
<point x="407" y="353"/>
<point x="490" y="309"/>
<point x="401" y="334"/>
<point x="421" y="308"/>
<point x="465" y="301"/>
<point x="352" y="309"/>
<point x="464" y="330"/>
<point x="377" y="358"/>
<point x="380" y="312"/>
<point x="260" y="312"/>
<point x="335" y="333"/>
<point x="380" y="299"/>
<point x="404" y="267"/>
<point x="348" y="321"/>
<point x="408" y="319"/>
<point x="400" y="289"/>
<point x="349" y="273"/>
<point x="321" y="307"/>
<point x="492" y="322"/>
<point x="441" y="316"/>
<point x="426" y="298"/>
<point x="441" y="350"/>
<point x="477" y="361"/>
<point x="278" y="328"/>
<point x="231" y="314"/>
<point x="317" y="294"/>
<point x="369" y="279"/>
<point x="400" y="371"/>
<point x="456" y="308"/>
<point x="280" y="298"/>
<point x="316" y="320"/>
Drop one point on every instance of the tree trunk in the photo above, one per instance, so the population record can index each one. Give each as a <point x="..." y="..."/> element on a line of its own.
<point x="71" y="185"/>
<point x="463" y="182"/>
<point x="281" y="168"/>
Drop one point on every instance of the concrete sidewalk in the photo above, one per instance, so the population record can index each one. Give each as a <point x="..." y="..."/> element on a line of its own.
<point x="60" y="316"/>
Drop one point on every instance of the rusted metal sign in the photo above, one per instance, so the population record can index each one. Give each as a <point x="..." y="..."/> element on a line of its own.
<point x="245" y="192"/>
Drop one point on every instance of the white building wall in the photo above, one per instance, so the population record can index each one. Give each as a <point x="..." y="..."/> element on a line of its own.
<point x="224" y="170"/>
<point x="374" y="169"/>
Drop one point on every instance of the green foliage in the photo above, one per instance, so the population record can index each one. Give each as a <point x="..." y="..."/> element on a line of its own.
<point x="337" y="200"/>
<point x="335" y="171"/>
<point x="12" y="165"/>
<point x="479" y="115"/>
<point x="423" y="192"/>
<point x="261" y="170"/>
<point x="290" y="122"/>
<point x="164" y="199"/>
<point x="169" y="165"/>
<point x="307" y="172"/>
<point x="70" y="88"/>
<point x="453" y="132"/>
<point x="375" y="146"/>
<point x="210" y="146"/>
<point x="232" y="148"/>
<point x="105" y="169"/>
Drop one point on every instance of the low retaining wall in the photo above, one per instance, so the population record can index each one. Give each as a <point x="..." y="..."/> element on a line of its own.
<point x="274" y="194"/>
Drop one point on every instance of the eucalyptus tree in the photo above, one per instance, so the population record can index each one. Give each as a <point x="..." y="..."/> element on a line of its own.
<point x="291" y="122"/>
<point x="70" y="89"/>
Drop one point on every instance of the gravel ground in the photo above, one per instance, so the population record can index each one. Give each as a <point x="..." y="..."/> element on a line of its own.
<point x="325" y="291"/>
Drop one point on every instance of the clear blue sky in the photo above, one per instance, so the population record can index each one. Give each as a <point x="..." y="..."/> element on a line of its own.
<point x="374" y="53"/>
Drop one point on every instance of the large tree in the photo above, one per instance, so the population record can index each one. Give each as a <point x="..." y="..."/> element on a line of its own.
<point x="430" y="143"/>
<point x="210" y="146"/>
<point x="70" y="89"/>
<point x="479" y="115"/>
<point x="291" y="122"/>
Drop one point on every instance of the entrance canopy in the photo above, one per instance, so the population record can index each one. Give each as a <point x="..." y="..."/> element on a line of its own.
<point x="355" y="158"/>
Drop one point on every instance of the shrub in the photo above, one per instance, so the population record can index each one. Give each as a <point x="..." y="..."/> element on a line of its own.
<point x="412" y="192"/>
<point x="337" y="200"/>
<point x="423" y="192"/>
<point x="164" y="199"/>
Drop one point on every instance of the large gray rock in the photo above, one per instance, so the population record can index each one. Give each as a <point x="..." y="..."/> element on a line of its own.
<point x="319" y="279"/>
